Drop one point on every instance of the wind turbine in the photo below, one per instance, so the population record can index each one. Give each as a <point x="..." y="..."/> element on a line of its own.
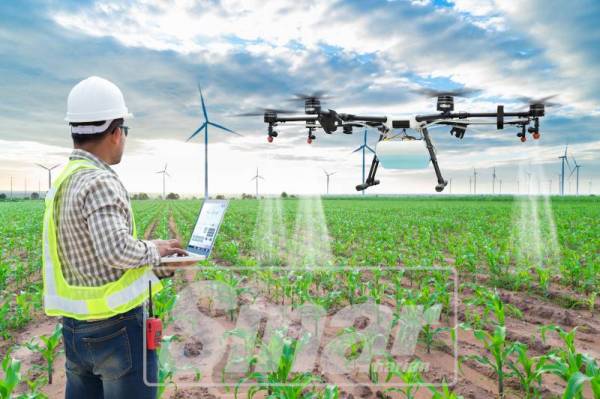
<point x="576" y="170"/>
<point x="590" y="187"/>
<point x="500" y="180"/>
<point x="450" y="185"/>
<point x="528" y="183"/>
<point x="563" y="159"/>
<point x="49" y="169"/>
<point x="475" y="181"/>
<point x="204" y="127"/>
<point x="328" y="174"/>
<point x="256" y="178"/>
<point x="164" y="173"/>
<point x="494" y="182"/>
<point x="364" y="147"/>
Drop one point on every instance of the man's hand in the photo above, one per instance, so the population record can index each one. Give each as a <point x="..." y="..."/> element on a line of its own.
<point x="169" y="247"/>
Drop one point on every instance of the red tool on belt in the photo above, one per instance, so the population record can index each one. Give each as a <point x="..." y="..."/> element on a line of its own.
<point x="153" y="325"/>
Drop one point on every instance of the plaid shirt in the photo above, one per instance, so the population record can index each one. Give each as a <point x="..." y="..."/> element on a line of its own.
<point x="95" y="227"/>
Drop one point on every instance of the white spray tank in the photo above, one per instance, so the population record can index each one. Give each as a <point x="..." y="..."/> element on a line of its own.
<point x="402" y="153"/>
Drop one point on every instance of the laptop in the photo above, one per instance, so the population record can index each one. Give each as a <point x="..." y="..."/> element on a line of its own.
<point x="204" y="235"/>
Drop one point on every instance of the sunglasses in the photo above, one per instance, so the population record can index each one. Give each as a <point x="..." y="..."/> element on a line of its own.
<point x="125" y="130"/>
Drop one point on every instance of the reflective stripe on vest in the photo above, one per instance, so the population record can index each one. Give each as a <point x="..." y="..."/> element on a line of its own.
<point x="80" y="302"/>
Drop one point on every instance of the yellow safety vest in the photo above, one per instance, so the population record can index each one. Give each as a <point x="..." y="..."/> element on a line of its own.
<point x="84" y="303"/>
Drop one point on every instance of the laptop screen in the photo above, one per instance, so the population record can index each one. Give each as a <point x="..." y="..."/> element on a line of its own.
<point x="207" y="226"/>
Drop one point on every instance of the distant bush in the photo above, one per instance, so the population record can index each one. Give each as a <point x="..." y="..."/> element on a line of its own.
<point x="140" y="196"/>
<point x="2" y="196"/>
<point x="35" y="196"/>
<point x="220" y="197"/>
<point x="173" y="196"/>
<point x="284" y="195"/>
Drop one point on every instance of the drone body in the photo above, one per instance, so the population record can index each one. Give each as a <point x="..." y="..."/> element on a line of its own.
<point x="316" y="117"/>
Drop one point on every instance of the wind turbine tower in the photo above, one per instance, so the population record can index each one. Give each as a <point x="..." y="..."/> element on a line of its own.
<point x="256" y="177"/>
<point x="328" y="174"/>
<point x="164" y="173"/>
<point x="576" y="170"/>
<point x="364" y="147"/>
<point x="494" y="182"/>
<point x="475" y="181"/>
<point x="49" y="169"/>
<point x="204" y="127"/>
<point x="563" y="159"/>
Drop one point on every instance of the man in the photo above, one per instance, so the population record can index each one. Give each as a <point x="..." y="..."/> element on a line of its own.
<point x="96" y="271"/>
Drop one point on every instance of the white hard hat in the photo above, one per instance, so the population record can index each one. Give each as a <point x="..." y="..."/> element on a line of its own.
<point x="95" y="99"/>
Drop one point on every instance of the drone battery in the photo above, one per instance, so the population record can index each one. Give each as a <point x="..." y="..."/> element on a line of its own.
<point x="402" y="154"/>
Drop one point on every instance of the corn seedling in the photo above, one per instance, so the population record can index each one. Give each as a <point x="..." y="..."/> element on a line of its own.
<point x="528" y="370"/>
<point x="12" y="376"/>
<point x="49" y="349"/>
<point x="573" y="367"/>
<point x="500" y="349"/>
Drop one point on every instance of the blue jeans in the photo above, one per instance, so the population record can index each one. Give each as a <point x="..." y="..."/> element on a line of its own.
<point x="105" y="358"/>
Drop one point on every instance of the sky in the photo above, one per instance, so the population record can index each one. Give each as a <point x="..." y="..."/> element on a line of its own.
<point x="369" y="56"/>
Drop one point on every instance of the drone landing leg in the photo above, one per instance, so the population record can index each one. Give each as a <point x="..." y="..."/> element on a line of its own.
<point x="371" y="178"/>
<point x="372" y="171"/>
<point x="441" y="182"/>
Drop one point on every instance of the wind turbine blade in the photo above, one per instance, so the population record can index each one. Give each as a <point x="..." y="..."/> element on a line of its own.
<point x="223" y="127"/>
<point x="55" y="166"/>
<point x="260" y="177"/>
<point x="568" y="164"/>
<point x="197" y="131"/>
<point x="358" y="149"/>
<point x="41" y="166"/>
<point x="370" y="149"/>
<point x="203" y="105"/>
<point x="254" y="178"/>
<point x="167" y="173"/>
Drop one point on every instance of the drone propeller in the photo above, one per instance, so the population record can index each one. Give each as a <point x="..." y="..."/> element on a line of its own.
<point x="262" y="111"/>
<point x="542" y="100"/>
<point x="535" y="101"/>
<point x="318" y="95"/>
<point x="427" y="92"/>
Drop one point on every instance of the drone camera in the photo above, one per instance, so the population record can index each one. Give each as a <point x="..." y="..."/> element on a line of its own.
<point x="401" y="124"/>
<point x="458" y="131"/>
<point x="445" y="104"/>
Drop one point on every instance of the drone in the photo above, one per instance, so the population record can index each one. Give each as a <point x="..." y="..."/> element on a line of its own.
<point x="317" y="117"/>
